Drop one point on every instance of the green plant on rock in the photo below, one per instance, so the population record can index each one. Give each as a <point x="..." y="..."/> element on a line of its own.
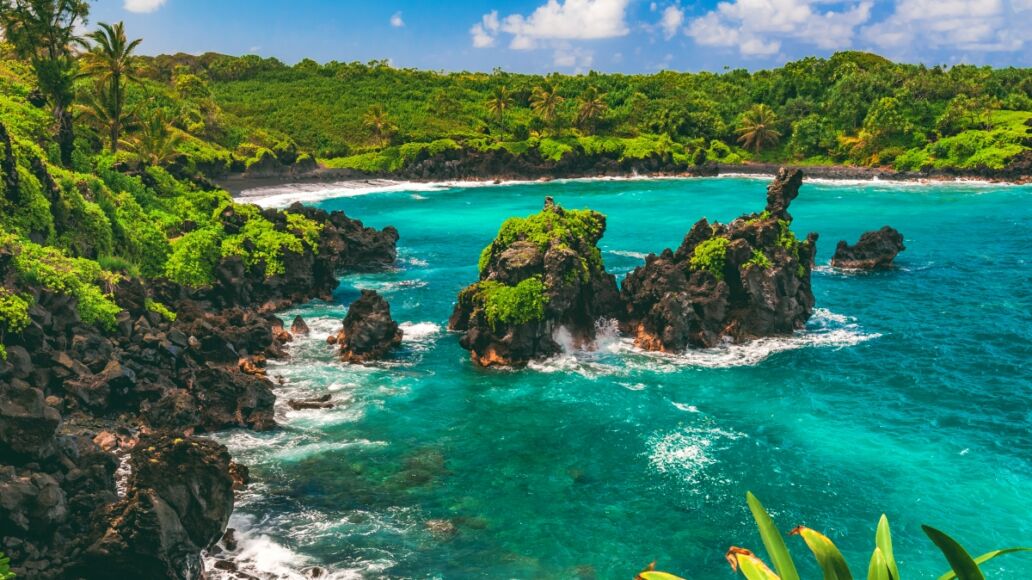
<point x="711" y="255"/>
<point x="759" y="260"/>
<point x="308" y="230"/>
<point x="14" y="311"/>
<point x="552" y="225"/>
<point x="882" y="564"/>
<point x="160" y="309"/>
<point x="519" y="304"/>
<point x="5" y="562"/>
<point x="52" y="269"/>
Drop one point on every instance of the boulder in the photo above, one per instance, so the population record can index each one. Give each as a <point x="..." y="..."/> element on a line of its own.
<point x="368" y="332"/>
<point x="744" y="280"/>
<point x="298" y="326"/>
<point x="875" y="250"/>
<point x="322" y="402"/>
<point x="541" y="273"/>
<point x="27" y="423"/>
<point x="178" y="502"/>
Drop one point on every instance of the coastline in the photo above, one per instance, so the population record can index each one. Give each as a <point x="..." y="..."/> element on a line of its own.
<point x="243" y="185"/>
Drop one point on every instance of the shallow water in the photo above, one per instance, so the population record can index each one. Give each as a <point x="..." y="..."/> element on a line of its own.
<point x="909" y="393"/>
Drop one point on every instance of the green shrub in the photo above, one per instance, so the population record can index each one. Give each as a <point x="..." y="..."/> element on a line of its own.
<point x="259" y="243"/>
<point x="308" y="230"/>
<point x="548" y="226"/>
<point x="519" y="304"/>
<point x="553" y="149"/>
<point x="759" y="260"/>
<point x="193" y="258"/>
<point x="50" y="268"/>
<point x="711" y="255"/>
<point x="14" y="310"/>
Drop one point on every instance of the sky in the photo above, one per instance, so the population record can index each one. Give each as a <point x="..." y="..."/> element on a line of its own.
<point x="575" y="36"/>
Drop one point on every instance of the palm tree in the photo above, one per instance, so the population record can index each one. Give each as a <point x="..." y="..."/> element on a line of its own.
<point x="499" y="103"/>
<point x="378" y="123"/>
<point x="156" y="141"/>
<point x="44" y="32"/>
<point x="592" y="107"/>
<point x="111" y="61"/>
<point x="545" y="103"/>
<point x="756" y="129"/>
<point x="100" y="108"/>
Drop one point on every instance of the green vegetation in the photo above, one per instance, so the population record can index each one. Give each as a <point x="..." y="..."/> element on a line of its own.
<point x="550" y="226"/>
<point x="853" y="108"/>
<point x="519" y="304"/>
<point x="100" y="182"/>
<point x="882" y="565"/>
<point x="759" y="260"/>
<point x="5" y="566"/>
<point x="711" y="255"/>
<point x="160" y="309"/>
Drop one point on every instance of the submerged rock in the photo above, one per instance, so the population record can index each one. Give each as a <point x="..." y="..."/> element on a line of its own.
<point x="322" y="402"/>
<point x="875" y="250"/>
<point x="747" y="279"/>
<point x="369" y="332"/>
<point x="540" y="273"/>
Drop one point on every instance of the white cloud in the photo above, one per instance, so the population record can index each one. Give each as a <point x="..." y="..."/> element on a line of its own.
<point x="556" y="20"/>
<point x="143" y="5"/>
<point x="758" y="27"/>
<point x="396" y="20"/>
<point x="671" y="21"/>
<point x="578" y="59"/>
<point x="484" y="32"/>
<point x="974" y="25"/>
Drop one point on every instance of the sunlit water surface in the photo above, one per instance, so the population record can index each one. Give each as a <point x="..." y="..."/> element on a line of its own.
<point x="910" y="393"/>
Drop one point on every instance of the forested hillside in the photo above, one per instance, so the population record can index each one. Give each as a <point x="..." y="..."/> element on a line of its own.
<point x="852" y="109"/>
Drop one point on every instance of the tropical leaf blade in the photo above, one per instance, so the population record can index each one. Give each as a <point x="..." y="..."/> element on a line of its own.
<point x="985" y="558"/>
<point x="883" y="539"/>
<point x="828" y="556"/>
<point x="964" y="566"/>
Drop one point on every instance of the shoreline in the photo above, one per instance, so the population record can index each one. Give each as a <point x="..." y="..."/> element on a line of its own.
<point x="238" y="185"/>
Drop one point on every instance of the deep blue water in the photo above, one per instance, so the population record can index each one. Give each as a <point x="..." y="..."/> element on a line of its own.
<point x="910" y="394"/>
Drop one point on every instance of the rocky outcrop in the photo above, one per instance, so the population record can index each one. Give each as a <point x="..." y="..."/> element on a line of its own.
<point x="179" y="499"/>
<point x="874" y="251"/>
<point x="368" y="332"/>
<point x="540" y="273"/>
<point x="747" y="279"/>
<point x="74" y="394"/>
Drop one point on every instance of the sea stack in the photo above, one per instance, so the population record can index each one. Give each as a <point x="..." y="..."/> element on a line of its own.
<point x="744" y="280"/>
<point x="540" y="273"/>
<point x="368" y="332"/>
<point x="875" y="250"/>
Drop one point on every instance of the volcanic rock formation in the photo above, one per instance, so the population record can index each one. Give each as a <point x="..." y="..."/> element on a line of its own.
<point x="540" y="273"/>
<point x="368" y="332"/>
<point x="747" y="279"/>
<point x="875" y="250"/>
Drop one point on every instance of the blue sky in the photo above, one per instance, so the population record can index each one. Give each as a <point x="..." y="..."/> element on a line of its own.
<point x="579" y="35"/>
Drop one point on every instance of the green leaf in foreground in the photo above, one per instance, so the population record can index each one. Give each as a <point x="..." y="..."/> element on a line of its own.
<point x="883" y="539"/>
<point x="964" y="566"/>
<point x="772" y="540"/>
<point x="985" y="558"/>
<point x="749" y="565"/>
<point x="828" y="556"/>
<point x="878" y="569"/>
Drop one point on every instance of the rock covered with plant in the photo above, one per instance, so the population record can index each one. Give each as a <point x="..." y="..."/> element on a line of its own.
<point x="540" y="273"/>
<point x="875" y="250"/>
<point x="743" y="280"/>
<point x="368" y="332"/>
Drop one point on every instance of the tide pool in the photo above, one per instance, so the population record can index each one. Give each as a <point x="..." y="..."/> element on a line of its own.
<point x="910" y="393"/>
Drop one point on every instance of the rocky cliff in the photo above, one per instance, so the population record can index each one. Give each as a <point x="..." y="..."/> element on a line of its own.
<point x="78" y="397"/>
<point x="540" y="273"/>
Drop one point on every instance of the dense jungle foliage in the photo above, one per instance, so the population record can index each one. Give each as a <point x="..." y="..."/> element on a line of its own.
<point x="853" y="108"/>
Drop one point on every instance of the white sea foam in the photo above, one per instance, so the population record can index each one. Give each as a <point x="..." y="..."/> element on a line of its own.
<point x="628" y="254"/>
<point x="613" y="354"/>
<point x="419" y="332"/>
<point x="262" y="556"/>
<point x="873" y="180"/>
<point x="686" y="454"/>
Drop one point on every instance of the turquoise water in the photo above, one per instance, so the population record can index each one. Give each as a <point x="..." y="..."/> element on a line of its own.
<point x="910" y="393"/>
